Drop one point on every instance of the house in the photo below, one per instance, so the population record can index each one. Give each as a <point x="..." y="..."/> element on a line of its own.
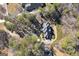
<point x="47" y="30"/>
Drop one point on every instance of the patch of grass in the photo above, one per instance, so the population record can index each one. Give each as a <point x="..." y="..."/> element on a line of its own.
<point x="59" y="34"/>
<point x="77" y="34"/>
<point x="66" y="41"/>
<point x="69" y="45"/>
<point x="77" y="22"/>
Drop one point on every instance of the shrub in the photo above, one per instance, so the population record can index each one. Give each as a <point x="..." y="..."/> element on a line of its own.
<point x="75" y="14"/>
<point x="41" y="10"/>
<point x="26" y="19"/>
<point x="28" y="46"/>
<point x="27" y="23"/>
<point x="7" y="18"/>
<point x="12" y="43"/>
<point x="65" y="11"/>
<point x="10" y="26"/>
<point x="50" y="7"/>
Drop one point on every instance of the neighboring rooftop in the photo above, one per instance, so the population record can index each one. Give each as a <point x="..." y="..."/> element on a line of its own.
<point x="31" y="6"/>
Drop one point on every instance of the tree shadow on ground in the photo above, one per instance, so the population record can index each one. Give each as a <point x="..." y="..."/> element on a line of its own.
<point x="36" y="28"/>
<point x="56" y="15"/>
